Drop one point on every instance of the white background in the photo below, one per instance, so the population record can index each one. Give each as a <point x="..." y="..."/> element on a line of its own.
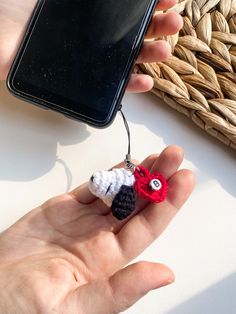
<point x="44" y="154"/>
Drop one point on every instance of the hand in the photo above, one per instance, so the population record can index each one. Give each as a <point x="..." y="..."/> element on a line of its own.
<point x="67" y="256"/>
<point x="14" y="15"/>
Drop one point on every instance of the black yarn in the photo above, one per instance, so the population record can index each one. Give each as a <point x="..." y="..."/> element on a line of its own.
<point x="124" y="202"/>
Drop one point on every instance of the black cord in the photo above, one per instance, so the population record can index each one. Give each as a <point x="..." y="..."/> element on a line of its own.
<point x="127" y="129"/>
<point x="128" y="161"/>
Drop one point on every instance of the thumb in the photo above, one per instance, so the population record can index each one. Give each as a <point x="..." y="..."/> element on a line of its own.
<point x="123" y="289"/>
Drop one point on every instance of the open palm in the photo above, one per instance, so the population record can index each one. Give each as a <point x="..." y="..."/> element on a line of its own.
<point x="14" y="15"/>
<point x="68" y="256"/>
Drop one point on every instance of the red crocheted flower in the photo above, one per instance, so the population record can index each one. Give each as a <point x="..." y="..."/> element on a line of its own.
<point x="150" y="186"/>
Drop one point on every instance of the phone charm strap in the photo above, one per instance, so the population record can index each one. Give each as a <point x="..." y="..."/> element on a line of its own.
<point x="120" y="188"/>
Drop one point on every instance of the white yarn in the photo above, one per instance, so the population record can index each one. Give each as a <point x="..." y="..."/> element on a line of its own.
<point x="106" y="184"/>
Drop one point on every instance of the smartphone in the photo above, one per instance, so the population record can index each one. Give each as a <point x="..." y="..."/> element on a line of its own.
<point x="77" y="56"/>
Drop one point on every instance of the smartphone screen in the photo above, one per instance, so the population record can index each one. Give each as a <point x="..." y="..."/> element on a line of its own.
<point x="77" y="52"/>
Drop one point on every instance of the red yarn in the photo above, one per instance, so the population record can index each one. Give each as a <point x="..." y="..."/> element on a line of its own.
<point x="142" y="185"/>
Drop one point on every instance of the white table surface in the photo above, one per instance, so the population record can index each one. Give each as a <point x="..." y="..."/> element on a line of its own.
<point x="44" y="154"/>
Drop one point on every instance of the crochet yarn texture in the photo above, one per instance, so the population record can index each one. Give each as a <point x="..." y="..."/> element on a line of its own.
<point x="124" y="202"/>
<point x="119" y="188"/>
<point x="106" y="184"/>
<point x="144" y="185"/>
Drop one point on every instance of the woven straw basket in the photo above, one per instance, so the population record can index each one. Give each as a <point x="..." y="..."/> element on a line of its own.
<point x="199" y="80"/>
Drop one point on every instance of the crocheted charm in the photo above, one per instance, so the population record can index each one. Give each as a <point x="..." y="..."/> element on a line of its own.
<point x="119" y="188"/>
<point x="116" y="189"/>
<point x="151" y="186"/>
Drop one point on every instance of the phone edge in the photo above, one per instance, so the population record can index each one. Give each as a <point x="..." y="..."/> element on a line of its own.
<point x="120" y="94"/>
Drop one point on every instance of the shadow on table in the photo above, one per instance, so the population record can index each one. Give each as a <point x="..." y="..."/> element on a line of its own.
<point x="29" y="137"/>
<point x="215" y="160"/>
<point x="218" y="299"/>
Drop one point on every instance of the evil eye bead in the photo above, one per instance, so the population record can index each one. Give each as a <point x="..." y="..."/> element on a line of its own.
<point x="155" y="184"/>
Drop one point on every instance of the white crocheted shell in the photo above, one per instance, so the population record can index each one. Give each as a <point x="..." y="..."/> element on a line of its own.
<point x="106" y="184"/>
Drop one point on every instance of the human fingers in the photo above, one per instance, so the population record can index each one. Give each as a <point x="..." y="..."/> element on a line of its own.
<point x="151" y="52"/>
<point x="139" y="232"/>
<point x="166" y="164"/>
<point x="169" y="161"/>
<point x="140" y="83"/>
<point x="164" y="24"/>
<point x="154" y="51"/>
<point x="123" y="289"/>
<point x="83" y="195"/>
<point x="149" y="161"/>
<point x="166" y="4"/>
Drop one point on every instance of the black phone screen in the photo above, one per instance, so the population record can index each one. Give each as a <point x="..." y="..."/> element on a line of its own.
<point x="78" y="51"/>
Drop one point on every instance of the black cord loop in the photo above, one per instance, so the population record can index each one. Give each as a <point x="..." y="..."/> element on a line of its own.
<point x="128" y="160"/>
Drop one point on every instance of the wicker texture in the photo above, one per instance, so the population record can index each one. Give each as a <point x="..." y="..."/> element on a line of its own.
<point x="199" y="80"/>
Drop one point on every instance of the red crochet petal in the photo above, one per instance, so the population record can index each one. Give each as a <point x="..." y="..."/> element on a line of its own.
<point x="143" y="187"/>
